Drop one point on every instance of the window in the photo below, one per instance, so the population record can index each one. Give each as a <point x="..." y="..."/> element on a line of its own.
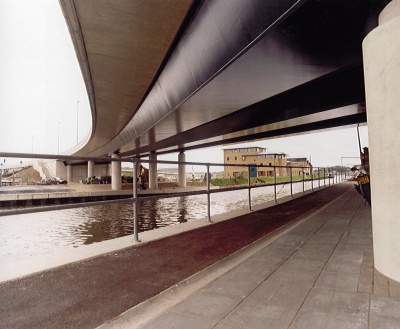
<point x="235" y="158"/>
<point x="227" y="158"/>
<point x="243" y="157"/>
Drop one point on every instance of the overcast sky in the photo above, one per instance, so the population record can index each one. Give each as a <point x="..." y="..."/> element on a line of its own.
<point x="41" y="84"/>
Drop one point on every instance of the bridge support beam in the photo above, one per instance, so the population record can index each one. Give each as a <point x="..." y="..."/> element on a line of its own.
<point x="153" y="171"/>
<point x="69" y="173"/>
<point x="116" y="173"/>
<point x="381" y="49"/>
<point x="182" y="170"/>
<point x="90" y="169"/>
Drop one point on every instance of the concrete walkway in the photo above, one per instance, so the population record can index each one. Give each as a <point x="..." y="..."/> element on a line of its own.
<point x="319" y="274"/>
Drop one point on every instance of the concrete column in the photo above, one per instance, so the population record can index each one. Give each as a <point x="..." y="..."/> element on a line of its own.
<point x="69" y="173"/>
<point x="116" y="174"/>
<point x="153" y="172"/>
<point x="90" y="168"/>
<point x="381" y="51"/>
<point x="182" y="170"/>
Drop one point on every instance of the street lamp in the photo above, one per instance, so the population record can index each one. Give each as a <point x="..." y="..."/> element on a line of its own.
<point x="77" y="122"/>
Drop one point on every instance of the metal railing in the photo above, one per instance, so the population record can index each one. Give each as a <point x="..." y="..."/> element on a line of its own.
<point x="321" y="175"/>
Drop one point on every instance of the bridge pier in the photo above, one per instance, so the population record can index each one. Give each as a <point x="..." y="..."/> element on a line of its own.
<point x="153" y="171"/>
<point x="181" y="170"/>
<point x="116" y="173"/>
<point x="381" y="49"/>
<point x="69" y="173"/>
<point x="90" y="168"/>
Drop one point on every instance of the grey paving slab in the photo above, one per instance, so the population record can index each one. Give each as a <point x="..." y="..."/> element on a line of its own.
<point x="352" y="303"/>
<point x="385" y="312"/>
<point x="300" y="275"/>
<point x="285" y="294"/>
<point x="338" y="280"/>
<point x="208" y="305"/>
<point x="234" y="285"/>
<point x="252" y="314"/>
<point x="308" y="319"/>
<point x="174" y="321"/>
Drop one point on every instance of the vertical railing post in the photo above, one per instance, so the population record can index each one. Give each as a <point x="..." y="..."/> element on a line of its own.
<point x="135" y="205"/>
<point x="312" y="178"/>
<point x="291" y="182"/>
<point x="208" y="195"/>
<point x="249" y="186"/>
<point x="302" y="171"/>
<point x="275" y="196"/>
<point x="319" y="179"/>
<point x="324" y="177"/>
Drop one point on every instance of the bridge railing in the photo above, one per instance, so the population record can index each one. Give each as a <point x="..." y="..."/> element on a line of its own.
<point x="317" y="176"/>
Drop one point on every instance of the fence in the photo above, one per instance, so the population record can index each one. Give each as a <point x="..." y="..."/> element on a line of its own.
<point x="319" y="176"/>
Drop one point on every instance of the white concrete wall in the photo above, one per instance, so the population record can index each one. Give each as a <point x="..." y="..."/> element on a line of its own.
<point x="381" y="49"/>
<point x="81" y="172"/>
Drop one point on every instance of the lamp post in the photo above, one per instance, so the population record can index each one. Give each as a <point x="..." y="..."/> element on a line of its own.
<point x="77" y="122"/>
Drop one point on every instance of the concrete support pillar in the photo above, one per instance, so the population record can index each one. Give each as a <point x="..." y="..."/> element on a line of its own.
<point x="116" y="173"/>
<point x="90" y="168"/>
<point x="381" y="51"/>
<point x="69" y="173"/>
<point x="182" y="170"/>
<point x="153" y="172"/>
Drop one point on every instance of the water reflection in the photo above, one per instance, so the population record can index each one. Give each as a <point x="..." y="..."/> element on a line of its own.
<point x="40" y="233"/>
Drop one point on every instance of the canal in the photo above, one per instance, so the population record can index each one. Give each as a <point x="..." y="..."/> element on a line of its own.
<point x="27" y="235"/>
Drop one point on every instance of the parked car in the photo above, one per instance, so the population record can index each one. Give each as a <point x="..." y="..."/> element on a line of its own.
<point x="57" y="181"/>
<point x="45" y="182"/>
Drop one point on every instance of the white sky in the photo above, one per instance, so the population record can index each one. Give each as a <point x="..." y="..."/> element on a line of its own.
<point x="41" y="83"/>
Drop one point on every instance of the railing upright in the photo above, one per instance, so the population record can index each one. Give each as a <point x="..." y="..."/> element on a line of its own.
<point x="275" y="196"/>
<point x="302" y="171"/>
<point x="312" y="179"/>
<point x="135" y="203"/>
<point x="319" y="180"/>
<point x="249" y="186"/>
<point x="291" y="182"/>
<point x="208" y="195"/>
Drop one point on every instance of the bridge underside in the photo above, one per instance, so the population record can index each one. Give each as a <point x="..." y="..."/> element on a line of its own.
<point x="164" y="76"/>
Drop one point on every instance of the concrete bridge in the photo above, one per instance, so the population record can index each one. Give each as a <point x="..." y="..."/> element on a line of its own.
<point x="166" y="76"/>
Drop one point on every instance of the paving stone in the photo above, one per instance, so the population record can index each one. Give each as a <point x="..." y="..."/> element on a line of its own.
<point x="337" y="280"/>
<point x="352" y="303"/>
<point x="286" y="294"/>
<point x="394" y="283"/>
<point x="175" y="321"/>
<point x="254" y="315"/>
<point x="240" y="287"/>
<point x="381" y="290"/>
<point x="207" y="305"/>
<point x="380" y="280"/>
<point x="384" y="312"/>
<point x="307" y="319"/>
<point x="365" y="287"/>
<point x="394" y="291"/>
<point x="299" y="276"/>
<point x="366" y="278"/>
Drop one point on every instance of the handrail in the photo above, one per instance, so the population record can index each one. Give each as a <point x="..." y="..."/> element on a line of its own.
<point x="208" y="191"/>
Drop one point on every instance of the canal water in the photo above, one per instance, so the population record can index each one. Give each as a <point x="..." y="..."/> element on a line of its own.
<point x="27" y="235"/>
